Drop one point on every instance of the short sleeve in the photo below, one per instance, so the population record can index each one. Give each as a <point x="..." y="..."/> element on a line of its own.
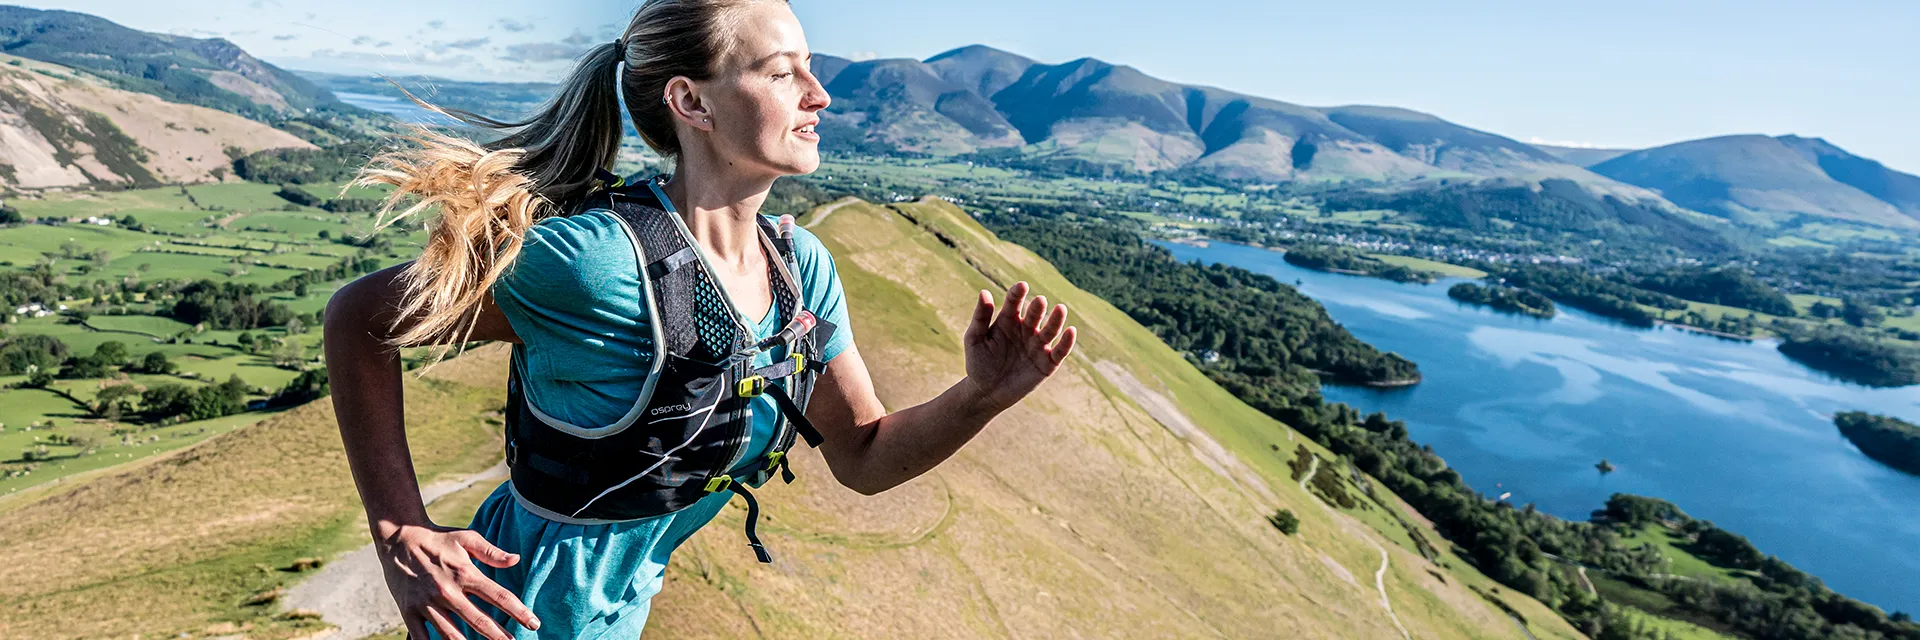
<point x="574" y="298"/>
<point x="820" y="284"/>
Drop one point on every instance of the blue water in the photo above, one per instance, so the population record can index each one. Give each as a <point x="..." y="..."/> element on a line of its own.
<point x="395" y="106"/>
<point x="1731" y="431"/>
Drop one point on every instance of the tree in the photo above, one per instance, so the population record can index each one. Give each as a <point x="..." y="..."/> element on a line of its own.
<point x="1859" y="313"/>
<point x="33" y="351"/>
<point x="156" y="362"/>
<point x="113" y="402"/>
<point x="288" y="353"/>
<point x="1285" y="521"/>
<point x="111" y="353"/>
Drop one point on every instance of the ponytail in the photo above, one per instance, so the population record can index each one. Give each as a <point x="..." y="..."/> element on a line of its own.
<point x="488" y="195"/>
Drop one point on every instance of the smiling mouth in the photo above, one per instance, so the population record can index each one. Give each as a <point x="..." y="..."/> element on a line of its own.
<point x="806" y="129"/>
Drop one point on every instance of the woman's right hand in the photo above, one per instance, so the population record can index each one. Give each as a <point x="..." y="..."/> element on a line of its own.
<point x="430" y="572"/>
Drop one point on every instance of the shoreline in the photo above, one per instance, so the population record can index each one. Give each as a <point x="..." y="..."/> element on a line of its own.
<point x="1710" y="332"/>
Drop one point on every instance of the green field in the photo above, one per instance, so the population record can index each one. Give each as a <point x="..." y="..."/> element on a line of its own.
<point x="236" y="196"/>
<point x="154" y="326"/>
<point x="1680" y="562"/>
<point x="1671" y="629"/>
<point x="1435" y="266"/>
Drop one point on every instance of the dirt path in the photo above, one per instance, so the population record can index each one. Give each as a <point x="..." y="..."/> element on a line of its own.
<point x="351" y="593"/>
<point x="1379" y="575"/>
<point x="828" y="210"/>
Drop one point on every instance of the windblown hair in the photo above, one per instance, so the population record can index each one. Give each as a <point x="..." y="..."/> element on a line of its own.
<point x="484" y="196"/>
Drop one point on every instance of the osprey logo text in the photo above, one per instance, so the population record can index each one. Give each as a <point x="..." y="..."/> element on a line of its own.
<point x="672" y="407"/>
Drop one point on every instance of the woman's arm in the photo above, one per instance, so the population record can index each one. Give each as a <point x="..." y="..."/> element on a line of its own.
<point x="427" y="566"/>
<point x="870" y="450"/>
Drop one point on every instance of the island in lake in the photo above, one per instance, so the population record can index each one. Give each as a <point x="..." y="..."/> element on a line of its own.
<point x="1508" y="299"/>
<point x="1892" y="441"/>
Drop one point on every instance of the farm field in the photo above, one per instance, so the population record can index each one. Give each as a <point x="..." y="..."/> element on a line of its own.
<point x="125" y="277"/>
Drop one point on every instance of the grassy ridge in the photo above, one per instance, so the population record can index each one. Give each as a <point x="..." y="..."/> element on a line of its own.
<point x="177" y="545"/>
<point x="1077" y="512"/>
<point x="1128" y="498"/>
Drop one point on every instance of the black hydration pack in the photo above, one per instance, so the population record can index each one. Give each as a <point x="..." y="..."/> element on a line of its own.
<point x="692" y="421"/>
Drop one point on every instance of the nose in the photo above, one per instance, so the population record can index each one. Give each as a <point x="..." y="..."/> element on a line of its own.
<point x="816" y="98"/>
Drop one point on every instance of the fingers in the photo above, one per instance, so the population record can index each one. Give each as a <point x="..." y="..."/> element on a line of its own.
<point x="484" y="551"/>
<point x="1010" y="309"/>
<point x="982" y="318"/>
<point x="492" y="593"/>
<point x="1031" y="313"/>
<point x="457" y="600"/>
<point x="441" y="622"/>
<point x="1065" y="346"/>
<point x="1056" y="320"/>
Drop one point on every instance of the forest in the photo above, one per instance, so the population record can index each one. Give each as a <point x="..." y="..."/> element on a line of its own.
<point x="1266" y="331"/>
<point x="1508" y="299"/>
<point x="1576" y="287"/>
<point x="1852" y="355"/>
<point x="1321" y="257"/>
<point x="1892" y="441"/>
<point x="1730" y="286"/>
<point x="1238" y="316"/>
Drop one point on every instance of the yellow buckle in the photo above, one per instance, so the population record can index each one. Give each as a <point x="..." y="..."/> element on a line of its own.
<point x="799" y="363"/>
<point x="773" y="459"/>
<point x="719" y="484"/>
<point x="752" y="387"/>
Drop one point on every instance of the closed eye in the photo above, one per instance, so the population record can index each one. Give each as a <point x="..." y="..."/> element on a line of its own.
<point x="783" y="76"/>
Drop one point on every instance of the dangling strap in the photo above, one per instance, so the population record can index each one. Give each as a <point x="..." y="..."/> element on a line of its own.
<point x="794" y="415"/>
<point x="753" y="521"/>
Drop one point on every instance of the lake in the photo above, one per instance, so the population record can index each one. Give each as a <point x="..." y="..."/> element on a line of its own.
<point x="396" y="106"/>
<point x="1731" y="431"/>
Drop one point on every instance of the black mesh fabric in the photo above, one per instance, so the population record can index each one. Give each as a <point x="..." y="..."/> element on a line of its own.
<point x="695" y="423"/>
<point x="685" y="293"/>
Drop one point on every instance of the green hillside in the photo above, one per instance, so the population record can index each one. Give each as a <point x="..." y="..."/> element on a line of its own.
<point x="1129" y="497"/>
<point x="205" y="72"/>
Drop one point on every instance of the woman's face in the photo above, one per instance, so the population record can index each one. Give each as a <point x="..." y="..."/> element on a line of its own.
<point x="765" y="100"/>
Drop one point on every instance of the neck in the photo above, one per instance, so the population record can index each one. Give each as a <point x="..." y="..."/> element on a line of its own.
<point x="719" y="210"/>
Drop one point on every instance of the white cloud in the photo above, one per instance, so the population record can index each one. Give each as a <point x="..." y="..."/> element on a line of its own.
<point x="1566" y="143"/>
<point x="863" y="56"/>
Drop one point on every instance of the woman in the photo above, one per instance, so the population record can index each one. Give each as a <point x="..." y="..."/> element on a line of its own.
<point x="518" y="253"/>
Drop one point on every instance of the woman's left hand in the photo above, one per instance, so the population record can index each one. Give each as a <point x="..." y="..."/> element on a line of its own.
<point x="1008" y="356"/>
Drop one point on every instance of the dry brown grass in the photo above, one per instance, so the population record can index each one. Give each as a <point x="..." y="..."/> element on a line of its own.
<point x="1077" y="514"/>
<point x="172" y="546"/>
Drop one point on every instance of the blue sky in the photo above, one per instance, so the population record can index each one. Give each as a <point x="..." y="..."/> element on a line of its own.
<point x="1627" y="73"/>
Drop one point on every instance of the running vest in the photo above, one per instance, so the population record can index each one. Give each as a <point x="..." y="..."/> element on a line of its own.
<point x="692" y="420"/>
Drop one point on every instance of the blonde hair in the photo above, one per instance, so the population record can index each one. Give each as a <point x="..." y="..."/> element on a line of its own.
<point x="484" y="197"/>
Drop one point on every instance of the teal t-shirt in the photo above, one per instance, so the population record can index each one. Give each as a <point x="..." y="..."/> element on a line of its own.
<point x="574" y="298"/>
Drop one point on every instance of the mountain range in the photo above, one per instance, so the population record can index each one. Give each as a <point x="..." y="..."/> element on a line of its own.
<point x="1094" y="114"/>
<point x="210" y="72"/>
<point x="1085" y="114"/>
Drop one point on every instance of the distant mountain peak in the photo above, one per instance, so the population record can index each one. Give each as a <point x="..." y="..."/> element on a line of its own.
<point x="1772" y="179"/>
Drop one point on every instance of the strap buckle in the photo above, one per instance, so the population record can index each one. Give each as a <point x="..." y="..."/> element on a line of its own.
<point x="773" y="459"/>
<point x="752" y="386"/>
<point x="799" y="362"/>
<point x="719" y="484"/>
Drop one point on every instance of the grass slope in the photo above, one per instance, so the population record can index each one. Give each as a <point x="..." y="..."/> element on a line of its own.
<point x="1076" y="514"/>
<point x="177" y="545"/>
<point x="1127" y="498"/>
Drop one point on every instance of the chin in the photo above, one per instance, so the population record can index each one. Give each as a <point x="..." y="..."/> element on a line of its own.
<point x="801" y="165"/>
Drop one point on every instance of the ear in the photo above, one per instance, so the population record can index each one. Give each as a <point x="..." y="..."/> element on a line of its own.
<point x="683" y="100"/>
